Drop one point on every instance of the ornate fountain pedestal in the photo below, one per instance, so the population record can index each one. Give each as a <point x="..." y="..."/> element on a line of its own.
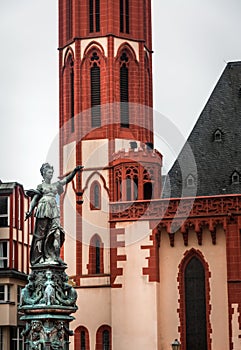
<point x="47" y="302"/>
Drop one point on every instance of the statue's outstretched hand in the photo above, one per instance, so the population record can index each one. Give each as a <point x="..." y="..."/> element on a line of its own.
<point x="28" y="215"/>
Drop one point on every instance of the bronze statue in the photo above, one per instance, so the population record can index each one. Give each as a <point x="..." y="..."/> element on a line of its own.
<point x="48" y="234"/>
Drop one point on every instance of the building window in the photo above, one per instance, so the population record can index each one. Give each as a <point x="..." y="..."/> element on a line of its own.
<point x="96" y="262"/>
<point x="72" y="95"/>
<point x="217" y="135"/>
<point x="124" y="16"/>
<point x="81" y="339"/>
<point x="4" y="293"/>
<point x="69" y="18"/>
<point x="1" y="338"/>
<point x="195" y="305"/>
<point x="94" y="16"/>
<point x="106" y="340"/>
<point x="95" y="90"/>
<point x="235" y="178"/>
<point x="103" y="338"/>
<point x="4" y="263"/>
<point x="16" y="340"/>
<point x="19" y="291"/>
<point x="190" y="181"/>
<point x="131" y="183"/>
<point x="95" y="196"/>
<point x="124" y="90"/>
<point x="3" y="211"/>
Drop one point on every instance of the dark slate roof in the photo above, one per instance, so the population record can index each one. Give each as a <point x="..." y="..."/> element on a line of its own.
<point x="210" y="161"/>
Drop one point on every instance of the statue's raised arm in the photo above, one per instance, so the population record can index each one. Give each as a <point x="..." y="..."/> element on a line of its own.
<point x="48" y="234"/>
<point x="70" y="176"/>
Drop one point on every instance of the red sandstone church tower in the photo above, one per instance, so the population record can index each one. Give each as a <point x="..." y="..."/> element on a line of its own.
<point x="106" y="124"/>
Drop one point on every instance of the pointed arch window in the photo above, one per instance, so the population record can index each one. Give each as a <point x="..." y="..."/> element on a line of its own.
<point x="235" y="178"/>
<point x="124" y="16"/>
<point x="95" y="90"/>
<point x="96" y="262"/>
<point x="190" y="181"/>
<point x="195" y="305"/>
<point x="131" y="183"/>
<point x="69" y="91"/>
<point x="124" y="90"/>
<point x="218" y="136"/>
<point x="95" y="196"/>
<point x="94" y="16"/>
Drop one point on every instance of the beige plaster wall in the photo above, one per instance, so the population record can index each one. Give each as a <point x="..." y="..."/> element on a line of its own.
<point x="94" y="311"/>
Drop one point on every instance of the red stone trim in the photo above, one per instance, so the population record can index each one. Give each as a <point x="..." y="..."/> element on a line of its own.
<point x="77" y="338"/>
<point x="153" y="260"/>
<point x="188" y="255"/>
<point x="114" y="257"/>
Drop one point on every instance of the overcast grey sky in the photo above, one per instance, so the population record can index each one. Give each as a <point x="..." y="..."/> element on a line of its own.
<point x="192" y="41"/>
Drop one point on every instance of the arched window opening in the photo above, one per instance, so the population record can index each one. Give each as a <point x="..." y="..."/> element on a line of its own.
<point x="124" y="91"/>
<point x="81" y="339"/>
<point x="95" y="90"/>
<point x="195" y="305"/>
<point x="95" y="196"/>
<point x="235" y="178"/>
<point x="124" y="16"/>
<point x="94" y="16"/>
<point x="96" y="263"/>
<point x="69" y="92"/>
<point x="103" y="338"/>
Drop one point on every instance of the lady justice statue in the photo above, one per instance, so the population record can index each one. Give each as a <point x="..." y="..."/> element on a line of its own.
<point x="48" y="234"/>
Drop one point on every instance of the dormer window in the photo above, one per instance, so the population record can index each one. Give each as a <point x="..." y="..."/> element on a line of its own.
<point x="235" y="178"/>
<point x="218" y="136"/>
<point x="190" y="181"/>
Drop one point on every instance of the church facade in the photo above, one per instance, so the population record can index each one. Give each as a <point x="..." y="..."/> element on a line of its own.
<point x="150" y="262"/>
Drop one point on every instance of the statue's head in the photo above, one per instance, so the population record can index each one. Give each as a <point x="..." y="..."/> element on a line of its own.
<point x="46" y="170"/>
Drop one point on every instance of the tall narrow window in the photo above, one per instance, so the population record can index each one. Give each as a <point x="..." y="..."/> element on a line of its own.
<point x="3" y="211"/>
<point x="124" y="91"/>
<point x="106" y="339"/>
<point x="95" y="196"/>
<point x="1" y="338"/>
<point x="95" y="91"/>
<point x="69" y="19"/>
<point x="81" y="339"/>
<point x="94" y="16"/>
<point x="103" y="338"/>
<point x="124" y="16"/>
<point x="96" y="262"/>
<point x="72" y="97"/>
<point x="195" y="305"/>
<point x="4" y="263"/>
<point x="16" y="339"/>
